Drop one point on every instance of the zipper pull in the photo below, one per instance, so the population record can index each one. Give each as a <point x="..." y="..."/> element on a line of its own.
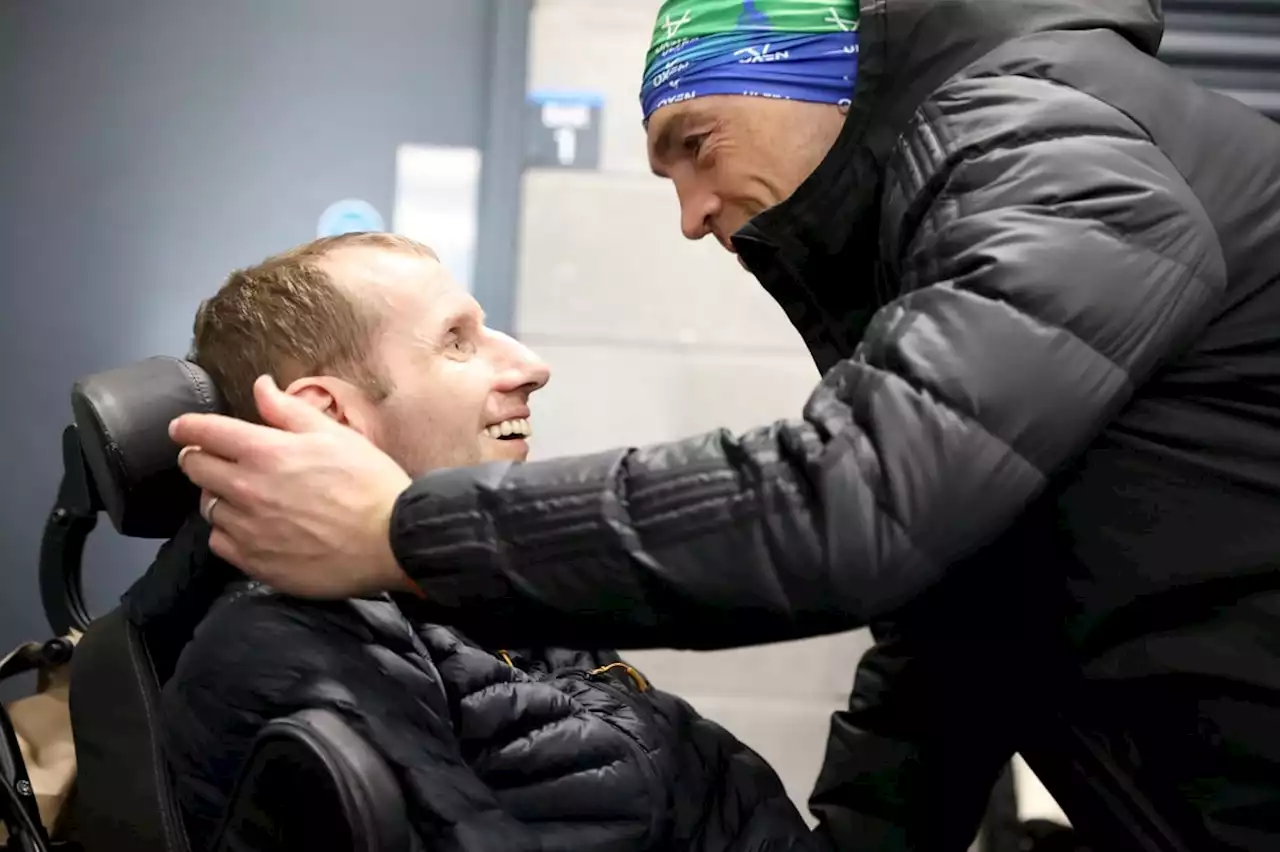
<point x="640" y="682"/>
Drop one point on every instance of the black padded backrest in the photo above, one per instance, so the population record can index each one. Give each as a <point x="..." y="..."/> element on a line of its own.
<point x="312" y="782"/>
<point x="124" y="799"/>
<point x="122" y="417"/>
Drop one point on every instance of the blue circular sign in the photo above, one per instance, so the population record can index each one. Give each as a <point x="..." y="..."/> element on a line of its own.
<point x="349" y="216"/>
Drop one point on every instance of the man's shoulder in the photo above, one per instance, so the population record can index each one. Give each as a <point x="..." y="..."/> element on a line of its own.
<point x="1035" y="86"/>
<point x="256" y="641"/>
<point x="1012" y="96"/>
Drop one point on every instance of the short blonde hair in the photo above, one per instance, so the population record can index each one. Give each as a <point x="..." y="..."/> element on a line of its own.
<point x="286" y="317"/>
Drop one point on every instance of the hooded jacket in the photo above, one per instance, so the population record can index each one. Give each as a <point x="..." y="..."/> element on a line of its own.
<point x="519" y="751"/>
<point x="1040" y="273"/>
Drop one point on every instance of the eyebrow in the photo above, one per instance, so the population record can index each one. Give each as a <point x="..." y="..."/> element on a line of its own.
<point x="463" y="315"/>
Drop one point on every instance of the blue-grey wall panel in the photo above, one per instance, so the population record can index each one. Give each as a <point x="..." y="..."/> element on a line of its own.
<point x="147" y="147"/>
<point x="497" y="238"/>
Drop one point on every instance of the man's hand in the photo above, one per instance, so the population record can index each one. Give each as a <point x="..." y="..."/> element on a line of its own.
<point x="304" y="507"/>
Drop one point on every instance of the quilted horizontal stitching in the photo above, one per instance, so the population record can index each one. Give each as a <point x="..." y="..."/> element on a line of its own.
<point x="934" y="142"/>
<point x="450" y="518"/>
<point x="709" y="476"/>
<point x="1053" y="210"/>
<point x="587" y="496"/>
<point x="937" y="399"/>
<point x="878" y="496"/>
<point x="1125" y="240"/>
<point x="652" y="519"/>
<point x="532" y="732"/>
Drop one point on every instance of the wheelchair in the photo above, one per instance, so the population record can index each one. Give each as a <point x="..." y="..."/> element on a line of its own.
<point x="310" y="783"/>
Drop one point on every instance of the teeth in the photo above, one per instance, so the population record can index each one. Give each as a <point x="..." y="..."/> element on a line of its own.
<point x="519" y="426"/>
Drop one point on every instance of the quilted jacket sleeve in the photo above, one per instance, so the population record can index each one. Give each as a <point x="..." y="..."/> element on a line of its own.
<point x="1044" y="275"/>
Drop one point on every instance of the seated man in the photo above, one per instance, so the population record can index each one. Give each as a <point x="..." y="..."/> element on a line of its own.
<point x="534" y="749"/>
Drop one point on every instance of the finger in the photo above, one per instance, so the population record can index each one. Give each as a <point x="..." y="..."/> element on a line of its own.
<point x="222" y="544"/>
<point x="213" y="474"/>
<point x="231" y="526"/>
<point x="208" y="502"/>
<point x="222" y="436"/>
<point x="227" y="516"/>
<point x="287" y="412"/>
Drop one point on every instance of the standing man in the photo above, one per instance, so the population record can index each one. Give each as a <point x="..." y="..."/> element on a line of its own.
<point x="1040" y="273"/>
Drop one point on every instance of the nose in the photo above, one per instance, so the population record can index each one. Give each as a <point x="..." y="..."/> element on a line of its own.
<point x="698" y="208"/>
<point x="519" y="369"/>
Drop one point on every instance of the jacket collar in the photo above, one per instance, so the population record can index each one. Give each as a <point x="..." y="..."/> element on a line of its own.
<point x="817" y="253"/>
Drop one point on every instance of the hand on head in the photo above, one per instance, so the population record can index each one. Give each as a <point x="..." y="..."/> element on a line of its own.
<point x="305" y="506"/>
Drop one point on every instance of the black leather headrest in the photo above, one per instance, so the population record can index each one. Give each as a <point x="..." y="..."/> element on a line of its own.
<point x="123" y="417"/>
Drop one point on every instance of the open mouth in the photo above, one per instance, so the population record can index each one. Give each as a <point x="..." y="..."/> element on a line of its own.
<point x="510" y="430"/>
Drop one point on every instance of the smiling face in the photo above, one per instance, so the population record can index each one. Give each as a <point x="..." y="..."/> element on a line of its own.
<point x="732" y="157"/>
<point x="457" y="391"/>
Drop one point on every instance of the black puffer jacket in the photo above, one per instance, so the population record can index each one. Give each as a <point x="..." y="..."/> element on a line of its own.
<point x="1041" y="274"/>
<point x="533" y="751"/>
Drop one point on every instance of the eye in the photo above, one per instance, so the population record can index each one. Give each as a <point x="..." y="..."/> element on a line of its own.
<point x="459" y="342"/>
<point x="693" y="143"/>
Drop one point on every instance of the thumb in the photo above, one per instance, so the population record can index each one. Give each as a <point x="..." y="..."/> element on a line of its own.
<point x="286" y="412"/>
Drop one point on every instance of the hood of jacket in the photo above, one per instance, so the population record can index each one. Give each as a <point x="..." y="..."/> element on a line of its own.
<point x="816" y="253"/>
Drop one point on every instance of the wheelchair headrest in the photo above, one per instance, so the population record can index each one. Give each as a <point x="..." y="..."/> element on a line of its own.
<point x="122" y="417"/>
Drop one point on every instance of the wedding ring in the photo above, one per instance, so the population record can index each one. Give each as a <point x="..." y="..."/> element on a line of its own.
<point x="209" y="507"/>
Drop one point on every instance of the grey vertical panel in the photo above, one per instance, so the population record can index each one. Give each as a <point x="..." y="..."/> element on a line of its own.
<point x="504" y="151"/>
<point x="1229" y="45"/>
<point x="148" y="147"/>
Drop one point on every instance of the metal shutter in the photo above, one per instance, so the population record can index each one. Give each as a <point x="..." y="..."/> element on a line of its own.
<point x="1229" y="45"/>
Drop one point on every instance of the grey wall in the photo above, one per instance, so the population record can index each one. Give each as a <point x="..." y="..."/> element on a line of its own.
<point x="147" y="147"/>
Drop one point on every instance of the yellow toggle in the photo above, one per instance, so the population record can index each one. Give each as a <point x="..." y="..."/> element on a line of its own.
<point x="635" y="675"/>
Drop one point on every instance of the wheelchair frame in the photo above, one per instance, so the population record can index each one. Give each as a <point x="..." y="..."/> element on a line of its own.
<point x="314" y="750"/>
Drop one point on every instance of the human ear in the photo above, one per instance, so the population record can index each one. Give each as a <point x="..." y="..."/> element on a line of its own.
<point x="338" y="399"/>
<point x="315" y="394"/>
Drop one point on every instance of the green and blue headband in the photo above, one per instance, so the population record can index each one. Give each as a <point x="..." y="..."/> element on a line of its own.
<point x="790" y="49"/>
